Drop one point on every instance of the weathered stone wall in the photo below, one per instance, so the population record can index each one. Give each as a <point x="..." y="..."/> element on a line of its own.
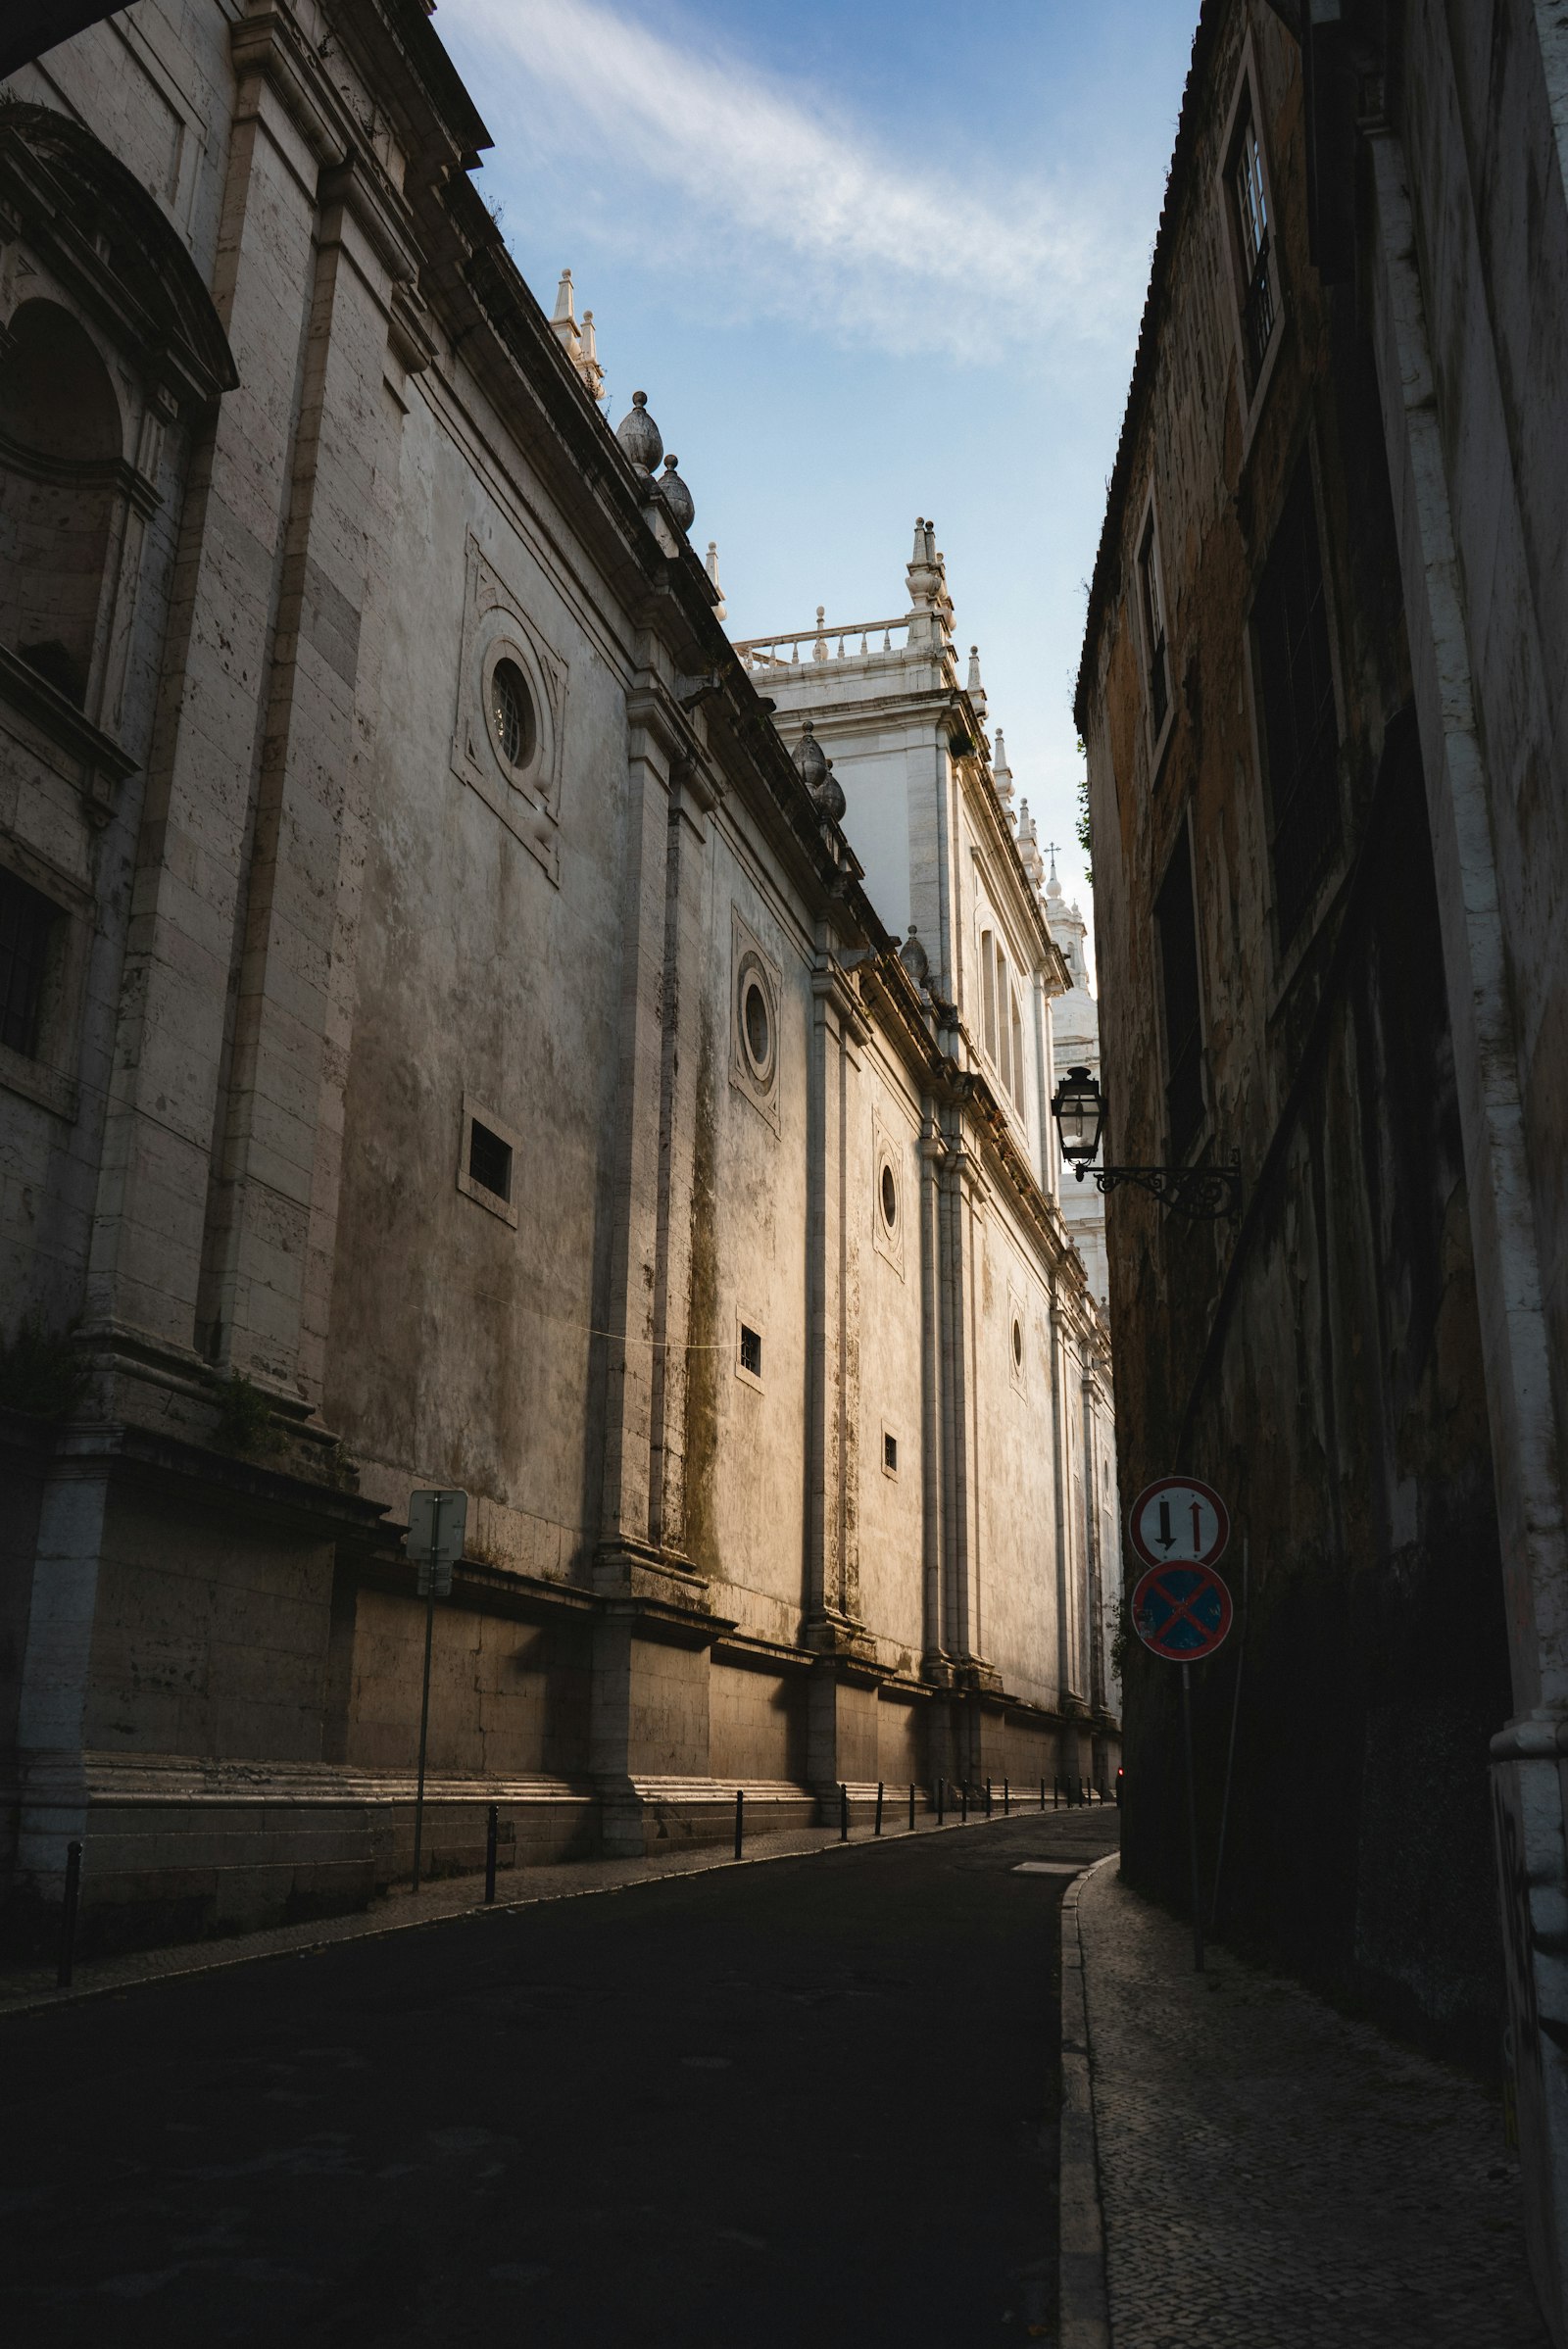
<point x="326" y="925"/>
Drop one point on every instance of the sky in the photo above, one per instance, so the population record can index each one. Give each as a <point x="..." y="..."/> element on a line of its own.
<point x="868" y="259"/>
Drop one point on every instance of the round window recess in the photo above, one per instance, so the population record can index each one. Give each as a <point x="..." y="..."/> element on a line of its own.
<point x="890" y="1199"/>
<point x="511" y="721"/>
<point x="758" y="1026"/>
<point x="1017" y="1343"/>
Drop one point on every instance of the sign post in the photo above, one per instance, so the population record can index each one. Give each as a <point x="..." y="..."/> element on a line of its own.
<point x="1181" y="1609"/>
<point x="438" y="1519"/>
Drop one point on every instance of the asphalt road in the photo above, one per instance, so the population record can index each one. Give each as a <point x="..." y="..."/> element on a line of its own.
<point x="809" y="2102"/>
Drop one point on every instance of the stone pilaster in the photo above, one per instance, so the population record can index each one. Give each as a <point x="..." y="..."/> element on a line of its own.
<point x="274" y="1200"/>
<point x="153" y="1190"/>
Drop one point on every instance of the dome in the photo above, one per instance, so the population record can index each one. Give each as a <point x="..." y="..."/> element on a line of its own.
<point x="640" y="436"/>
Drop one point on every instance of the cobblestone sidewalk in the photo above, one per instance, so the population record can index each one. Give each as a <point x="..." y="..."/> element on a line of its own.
<point x="1274" y="2177"/>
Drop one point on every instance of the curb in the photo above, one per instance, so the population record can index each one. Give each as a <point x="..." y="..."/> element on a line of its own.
<point x="1083" y="2304"/>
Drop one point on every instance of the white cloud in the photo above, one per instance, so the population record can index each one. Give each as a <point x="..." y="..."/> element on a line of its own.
<point x="787" y="209"/>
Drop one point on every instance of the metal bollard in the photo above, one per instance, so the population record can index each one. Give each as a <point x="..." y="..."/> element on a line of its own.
<point x="963" y="1803"/>
<point x="67" y="1915"/>
<point x="988" y="1798"/>
<point x="843" y="1814"/>
<point x="912" y="1806"/>
<point x="1056" y="1793"/>
<point x="942" y="1802"/>
<point x="492" y="1832"/>
<point x="1007" y="1800"/>
<point x="1041" y="1794"/>
<point x="877" y="1830"/>
<point x="740" y="1820"/>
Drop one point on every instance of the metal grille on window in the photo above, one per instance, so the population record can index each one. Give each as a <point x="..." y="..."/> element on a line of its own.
<point x="510" y="717"/>
<point x="1252" y="208"/>
<point x="27" y="919"/>
<point x="1184" y="1033"/>
<point x="1299" y="728"/>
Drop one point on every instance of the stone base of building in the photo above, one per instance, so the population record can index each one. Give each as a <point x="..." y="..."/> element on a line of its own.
<point x="176" y="1849"/>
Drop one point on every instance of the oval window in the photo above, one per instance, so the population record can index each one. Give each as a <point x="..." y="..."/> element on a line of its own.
<point x="759" y="1028"/>
<point x="890" y="1199"/>
<point x="512" y="725"/>
<point x="1017" y="1343"/>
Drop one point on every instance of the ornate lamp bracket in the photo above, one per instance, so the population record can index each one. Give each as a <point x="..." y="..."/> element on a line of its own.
<point x="1202" y="1194"/>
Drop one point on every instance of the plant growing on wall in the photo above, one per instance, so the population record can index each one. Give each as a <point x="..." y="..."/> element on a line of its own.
<point x="1082" y="829"/>
<point x="244" y="1416"/>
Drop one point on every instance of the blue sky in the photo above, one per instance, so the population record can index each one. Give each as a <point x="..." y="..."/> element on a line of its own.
<point x="867" y="260"/>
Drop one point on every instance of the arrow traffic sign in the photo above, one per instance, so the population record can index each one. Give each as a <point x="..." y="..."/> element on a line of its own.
<point x="1181" y="1612"/>
<point x="1179" y="1521"/>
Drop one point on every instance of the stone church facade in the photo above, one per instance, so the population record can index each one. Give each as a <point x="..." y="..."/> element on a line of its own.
<point x="451" y="1039"/>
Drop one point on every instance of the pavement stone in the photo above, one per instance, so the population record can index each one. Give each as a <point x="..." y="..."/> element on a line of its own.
<point x="1274" y="2175"/>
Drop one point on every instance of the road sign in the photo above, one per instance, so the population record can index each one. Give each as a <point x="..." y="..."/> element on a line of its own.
<point x="438" y="1521"/>
<point x="1181" y="1612"/>
<point x="1179" y="1521"/>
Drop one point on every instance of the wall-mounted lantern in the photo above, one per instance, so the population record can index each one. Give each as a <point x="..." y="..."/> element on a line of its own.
<point x="1203" y="1194"/>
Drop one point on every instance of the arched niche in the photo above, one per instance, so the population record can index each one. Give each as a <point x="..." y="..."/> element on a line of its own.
<point x="61" y="445"/>
<point x="113" y="355"/>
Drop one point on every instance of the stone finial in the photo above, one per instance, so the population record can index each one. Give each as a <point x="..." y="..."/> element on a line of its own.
<point x="1029" y="846"/>
<point x="676" y="496"/>
<point x="914" y="958"/>
<point x="712" y="573"/>
<point x="592" y="373"/>
<point x="1052" y="886"/>
<point x="1002" y="775"/>
<point x="820" y="649"/>
<point x="809" y="763"/>
<point x="919" y="555"/>
<point x="578" y="342"/>
<point x="931" y="555"/>
<point x="829" y="794"/>
<point x="975" y="685"/>
<point x="640" y="436"/>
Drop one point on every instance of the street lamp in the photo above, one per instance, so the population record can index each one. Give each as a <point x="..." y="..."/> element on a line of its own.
<point x="1203" y="1194"/>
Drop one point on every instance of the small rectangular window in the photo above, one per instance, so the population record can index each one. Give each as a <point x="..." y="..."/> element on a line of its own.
<point x="489" y="1160"/>
<point x="890" y="1454"/>
<point x="26" y="927"/>
<point x="752" y="1351"/>
<point x="1301" y="728"/>
<point x="1151" y="611"/>
<point x="1176" y="918"/>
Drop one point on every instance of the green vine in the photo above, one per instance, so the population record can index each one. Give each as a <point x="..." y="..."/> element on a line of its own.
<point x="1082" y="829"/>
<point x="244" y="1416"/>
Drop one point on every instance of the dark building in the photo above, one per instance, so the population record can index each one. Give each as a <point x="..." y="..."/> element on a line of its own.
<point x="1326" y="778"/>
